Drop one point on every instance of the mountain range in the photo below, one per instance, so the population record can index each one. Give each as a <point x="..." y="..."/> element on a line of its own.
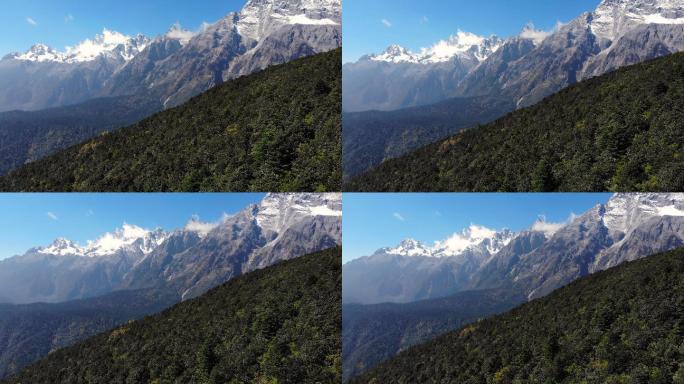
<point x="522" y="70"/>
<point x="536" y="261"/>
<point x="619" y="325"/>
<point x="410" y="293"/>
<point x="174" y="66"/>
<point x="526" y="67"/>
<point x="279" y="324"/>
<point x="190" y="260"/>
<point x="58" y="294"/>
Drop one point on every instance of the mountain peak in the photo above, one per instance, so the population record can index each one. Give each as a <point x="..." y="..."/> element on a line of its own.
<point x="62" y="247"/>
<point x="396" y="54"/>
<point x="128" y="234"/>
<point x="109" y="42"/>
<point x="40" y="53"/>
<point x="410" y="247"/>
<point x="462" y="44"/>
<point x="474" y="236"/>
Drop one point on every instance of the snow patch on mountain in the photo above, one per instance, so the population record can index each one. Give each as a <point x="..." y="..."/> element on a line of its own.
<point x="625" y="211"/>
<point x="62" y="247"/>
<point x="278" y="211"/>
<point x="260" y="17"/>
<point x="612" y="18"/>
<point x="40" y="53"/>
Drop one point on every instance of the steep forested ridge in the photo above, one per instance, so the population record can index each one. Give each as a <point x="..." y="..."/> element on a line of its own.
<point x="28" y="332"/>
<point x="619" y="132"/>
<point x="276" y="325"/>
<point x="32" y="135"/>
<point x="277" y="130"/>
<point x="369" y="138"/>
<point x="623" y="325"/>
<point x="374" y="333"/>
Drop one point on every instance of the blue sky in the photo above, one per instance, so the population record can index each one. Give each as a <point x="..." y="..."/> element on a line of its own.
<point x="60" y="23"/>
<point x="415" y="24"/>
<point x="374" y="221"/>
<point x="30" y="220"/>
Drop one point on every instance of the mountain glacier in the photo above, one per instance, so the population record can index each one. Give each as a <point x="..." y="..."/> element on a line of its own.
<point x="535" y="261"/>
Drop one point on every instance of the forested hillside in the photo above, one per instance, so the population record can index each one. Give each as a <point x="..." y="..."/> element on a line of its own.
<point x="276" y="325"/>
<point x="619" y="132"/>
<point x="374" y="333"/>
<point x="623" y="325"/>
<point x="369" y="138"/>
<point x="29" y="136"/>
<point x="277" y="130"/>
<point x="30" y="332"/>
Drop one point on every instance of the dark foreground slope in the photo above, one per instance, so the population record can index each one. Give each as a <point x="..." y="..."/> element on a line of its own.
<point x="30" y="332"/>
<point x="374" y="333"/>
<point x="369" y="138"/>
<point x="280" y="324"/>
<point x="277" y="130"/>
<point x="29" y="136"/>
<point x="620" y="132"/>
<point x="623" y="325"/>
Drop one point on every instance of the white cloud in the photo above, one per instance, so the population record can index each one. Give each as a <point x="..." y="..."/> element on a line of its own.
<point x="424" y="20"/>
<point x="398" y="216"/>
<point x="52" y="216"/>
<point x="386" y="23"/>
<point x="68" y="18"/>
<point x="31" y="21"/>
<point x="549" y="228"/>
<point x="89" y="213"/>
<point x="203" y="228"/>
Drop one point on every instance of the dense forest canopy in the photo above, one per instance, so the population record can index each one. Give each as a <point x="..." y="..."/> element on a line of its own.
<point x="276" y="325"/>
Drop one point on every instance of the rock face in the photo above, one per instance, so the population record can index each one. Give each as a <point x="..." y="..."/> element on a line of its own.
<point x="526" y="68"/>
<point x="628" y="227"/>
<point x="189" y="261"/>
<point x="175" y="66"/>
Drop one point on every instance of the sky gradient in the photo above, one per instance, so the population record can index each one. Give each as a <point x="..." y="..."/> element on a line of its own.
<point x="371" y="26"/>
<point x="66" y="22"/>
<point x="374" y="221"/>
<point x="30" y="220"/>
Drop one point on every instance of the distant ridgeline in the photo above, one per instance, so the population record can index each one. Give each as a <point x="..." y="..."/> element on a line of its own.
<point x="623" y="131"/>
<point x="623" y="325"/>
<point x="276" y="325"/>
<point x="276" y="130"/>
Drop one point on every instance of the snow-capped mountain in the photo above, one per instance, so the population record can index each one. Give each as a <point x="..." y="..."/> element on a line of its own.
<point x="536" y="261"/>
<point x="472" y="238"/>
<point x="176" y="65"/>
<point x="462" y="44"/>
<point x="189" y="260"/>
<point x="126" y="237"/>
<point x="413" y="271"/>
<point x="110" y="44"/>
